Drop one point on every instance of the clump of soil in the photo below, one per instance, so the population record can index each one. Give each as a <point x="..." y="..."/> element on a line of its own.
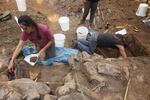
<point x="33" y="59"/>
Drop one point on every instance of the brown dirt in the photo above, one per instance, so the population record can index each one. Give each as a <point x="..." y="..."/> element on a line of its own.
<point x="116" y="13"/>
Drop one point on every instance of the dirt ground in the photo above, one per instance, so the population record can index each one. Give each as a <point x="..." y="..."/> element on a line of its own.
<point x="117" y="14"/>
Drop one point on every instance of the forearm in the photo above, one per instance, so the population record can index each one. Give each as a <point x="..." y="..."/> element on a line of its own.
<point x="122" y="51"/>
<point x="47" y="46"/>
<point x="15" y="54"/>
<point x="17" y="50"/>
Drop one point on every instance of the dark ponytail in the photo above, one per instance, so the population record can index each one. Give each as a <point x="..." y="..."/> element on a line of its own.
<point x="28" y="21"/>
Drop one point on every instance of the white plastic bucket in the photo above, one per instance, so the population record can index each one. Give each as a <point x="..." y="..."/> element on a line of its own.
<point x="142" y="9"/>
<point x="82" y="32"/>
<point x="59" y="39"/>
<point x="64" y="23"/>
<point x="21" y="4"/>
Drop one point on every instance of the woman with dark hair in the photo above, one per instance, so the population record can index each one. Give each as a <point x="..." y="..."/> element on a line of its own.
<point x="39" y="34"/>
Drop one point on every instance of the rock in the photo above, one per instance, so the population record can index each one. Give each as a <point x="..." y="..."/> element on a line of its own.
<point x="3" y="92"/>
<point x="71" y="60"/>
<point x="74" y="96"/>
<point x="32" y="94"/>
<point x="49" y="97"/>
<point x="23" y="84"/>
<point x="69" y="84"/>
<point x="85" y="55"/>
<point x="98" y="78"/>
<point x="14" y="96"/>
<point x="99" y="87"/>
<point x="108" y="69"/>
<point x="42" y="88"/>
<point x="62" y="90"/>
<point x="69" y="81"/>
<point x="81" y="80"/>
<point x="30" y="89"/>
<point x="90" y="68"/>
<point x="97" y="56"/>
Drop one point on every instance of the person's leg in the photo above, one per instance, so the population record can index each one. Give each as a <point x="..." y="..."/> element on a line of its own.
<point x="50" y="52"/>
<point x="82" y="46"/>
<point x="92" y="13"/>
<point x="86" y="11"/>
<point x="84" y="42"/>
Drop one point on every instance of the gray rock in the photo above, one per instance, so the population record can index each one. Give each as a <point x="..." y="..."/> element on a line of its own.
<point x="49" y="97"/>
<point x="14" y="96"/>
<point x="90" y="68"/>
<point x="32" y="94"/>
<point x="3" y="92"/>
<point x="74" y="96"/>
<point x="31" y="90"/>
<point x="108" y="69"/>
<point x="42" y="88"/>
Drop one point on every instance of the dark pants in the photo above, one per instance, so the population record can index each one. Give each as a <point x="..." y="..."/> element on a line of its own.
<point x="89" y="6"/>
<point x="50" y="52"/>
<point x="83" y="45"/>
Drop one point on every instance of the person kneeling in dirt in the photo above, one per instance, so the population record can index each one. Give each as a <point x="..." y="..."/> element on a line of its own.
<point x="104" y="40"/>
<point x="39" y="34"/>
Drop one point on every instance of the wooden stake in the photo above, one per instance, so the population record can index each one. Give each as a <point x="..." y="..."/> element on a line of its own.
<point x="125" y="96"/>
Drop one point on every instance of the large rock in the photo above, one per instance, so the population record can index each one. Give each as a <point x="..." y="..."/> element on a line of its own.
<point x="90" y="68"/>
<point x="28" y="89"/>
<point x="69" y="85"/>
<point x="74" y="96"/>
<point x="3" y="92"/>
<point x="108" y="69"/>
<point x="14" y="96"/>
<point x="49" y="97"/>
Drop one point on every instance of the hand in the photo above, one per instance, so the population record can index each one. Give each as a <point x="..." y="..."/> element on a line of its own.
<point x="11" y="66"/>
<point x="41" y="55"/>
